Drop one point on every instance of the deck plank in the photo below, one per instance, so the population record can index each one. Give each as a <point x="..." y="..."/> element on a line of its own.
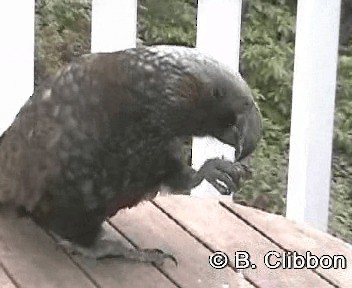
<point x="112" y="273"/>
<point x="33" y="259"/>
<point x="5" y="282"/>
<point x="301" y="238"/>
<point x="188" y="227"/>
<point x="150" y="228"/>
<point x="229" y="234"/>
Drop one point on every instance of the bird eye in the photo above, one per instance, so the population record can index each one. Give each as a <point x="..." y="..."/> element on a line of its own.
<point x="248" y="103"/>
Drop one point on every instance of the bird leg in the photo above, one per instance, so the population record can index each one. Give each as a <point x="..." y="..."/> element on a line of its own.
<point x="112" y="248"/>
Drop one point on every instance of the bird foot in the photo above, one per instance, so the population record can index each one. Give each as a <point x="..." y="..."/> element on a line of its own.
<point x="105" y="249"/>
<point x="224" y="175"/>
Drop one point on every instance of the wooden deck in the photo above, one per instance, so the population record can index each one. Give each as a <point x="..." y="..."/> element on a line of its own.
<point x="189" y="228"/>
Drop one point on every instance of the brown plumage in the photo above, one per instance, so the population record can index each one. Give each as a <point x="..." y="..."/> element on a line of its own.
<point x="106" y="132"/>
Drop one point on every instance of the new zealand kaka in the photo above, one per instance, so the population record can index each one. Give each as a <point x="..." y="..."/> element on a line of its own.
<point x="106" y="133"/>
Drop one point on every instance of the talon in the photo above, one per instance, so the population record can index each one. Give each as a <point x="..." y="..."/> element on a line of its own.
<point x="219" y="173"/>
<point x="160" y="256"/>
<point x="222" y="190"/>
<point x="110" y="249"/>
<point x="247" y="171"/>
<point x="172" y="258"/>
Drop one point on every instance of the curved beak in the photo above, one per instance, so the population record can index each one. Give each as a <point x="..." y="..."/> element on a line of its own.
<point x="245" y="134"/>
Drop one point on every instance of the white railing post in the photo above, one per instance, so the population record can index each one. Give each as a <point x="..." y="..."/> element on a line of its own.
<point x="16" y="57"/>
<point x="114" y="25"/>
<point x="313" y="111"/>
<point x="218" y="35"/>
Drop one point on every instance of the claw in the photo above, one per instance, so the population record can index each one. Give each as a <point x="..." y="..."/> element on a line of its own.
<point x="223" y="190"/>
<point x="224" y="175"/>
<point x="108" y="249"/>
<point x="247" y="171"/>
<point x="158" y="256"/>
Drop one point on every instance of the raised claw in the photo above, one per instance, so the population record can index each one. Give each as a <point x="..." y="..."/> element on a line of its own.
<point x="224" y="175"/>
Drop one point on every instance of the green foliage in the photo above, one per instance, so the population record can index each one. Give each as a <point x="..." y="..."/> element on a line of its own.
<point x="167" y="22"/>
<point x="340" y="223"/>
<point x="266" y="63"/>
<point x="341" y="208"/>
<point x="62" y="32"/>
<point x="343" y="116"/>
<point x="265" y="188"/>
<point x="268" y="49"/>
<point x="268" y="53"/>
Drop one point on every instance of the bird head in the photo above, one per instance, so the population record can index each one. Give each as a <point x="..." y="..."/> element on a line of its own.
<point x="245" y="134"/>
<point x="236" y="118"/>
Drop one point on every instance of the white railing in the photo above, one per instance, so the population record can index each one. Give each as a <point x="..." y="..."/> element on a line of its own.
<point x="114" y="25"/>
<point x="313" y="111"/>
<point x="218" y="34"/>
<point x="16" y="57"/>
